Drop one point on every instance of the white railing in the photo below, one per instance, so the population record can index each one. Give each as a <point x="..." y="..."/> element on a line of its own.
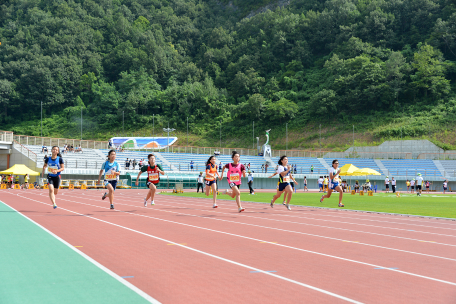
<point x="6" y="136"/>
<point x="60" y="142"/>
<point x="30" y="154"/>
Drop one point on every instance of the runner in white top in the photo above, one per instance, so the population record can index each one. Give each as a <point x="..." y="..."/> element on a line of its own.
<point x="445" y="185"/>
<point x="387" y="184"/>
<point x="419" y="183"/>
<point x="412" y="186"/>
<point x="320" y="184"/>
<point x="333" y="183"/>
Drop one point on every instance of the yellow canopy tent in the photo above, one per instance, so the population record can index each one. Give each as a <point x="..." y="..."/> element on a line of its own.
<point x="364" y="172"/>
<point x="20" y="170"/>
<point x="347" y="169"/>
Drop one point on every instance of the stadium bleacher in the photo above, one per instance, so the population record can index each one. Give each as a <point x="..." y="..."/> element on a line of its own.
<point x="410" y="167"/>
<point x="450" y="167"/>
<point x="88" y="159"/>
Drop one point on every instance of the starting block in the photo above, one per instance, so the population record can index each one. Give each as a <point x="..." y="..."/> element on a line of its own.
<point x="361" y="193"/>
<point x="3" y="186"/>
<point x="370" y="193"/>
<point x="84" y="187"/>
<point x="353" y="192"/>
<point x="30" y="186"/>
<point x="46" y="186"/>
<point x="17" y="186"/>
<point x="71" y="187"/>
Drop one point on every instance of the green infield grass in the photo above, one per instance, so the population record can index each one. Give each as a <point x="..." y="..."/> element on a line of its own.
<point x="438" y="205"/>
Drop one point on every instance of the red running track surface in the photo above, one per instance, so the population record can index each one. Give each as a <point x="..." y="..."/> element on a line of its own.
<point x="183" y="251"/>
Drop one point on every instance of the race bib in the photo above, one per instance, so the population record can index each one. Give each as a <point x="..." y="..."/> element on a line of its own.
<point x="234" y="178"/>
<point x="153" y="177"/>
<point x="53" y="169"/>
<point x="110" y="176"/>
<point x="286" y="179"/>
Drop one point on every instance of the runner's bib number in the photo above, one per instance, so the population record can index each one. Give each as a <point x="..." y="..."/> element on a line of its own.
<point x="234" y="178"/>
<point x="53" y="169"/>
<point x="153" y="177"/>
<point x="286" y="179"/>
<point x="110" y="176"/>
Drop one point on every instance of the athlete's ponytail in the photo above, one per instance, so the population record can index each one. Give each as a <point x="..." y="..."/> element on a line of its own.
<point x="209" y="160"/>
<point x="281" y="159"/>
<point x="58" y="153"/>
<point x="233" y="154"/>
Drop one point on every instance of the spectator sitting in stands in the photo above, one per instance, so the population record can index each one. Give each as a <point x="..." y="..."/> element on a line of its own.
<point x="45" y="157"/>
<point x="220" y="167"/>
<point x="295" y="169"/>
<point x="216" y="153"/>
<point x="191" y="165"/>
<point x="127" y="164"/>
<point x="44" y="149"/>
<point x="109" y="144"/>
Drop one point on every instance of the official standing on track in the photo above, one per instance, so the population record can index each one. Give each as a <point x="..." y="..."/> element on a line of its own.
<point x="200" y="183"/>
<point x="250" y="183"/>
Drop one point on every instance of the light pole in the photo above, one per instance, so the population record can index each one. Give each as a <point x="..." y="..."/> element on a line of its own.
<point x="81" y="123"/>
<point x="220" y="135"/>
<point x="353" y="137"/>
<point x="187" y="131"/>
<point x="153" y="121"/>
<point x="253" y="135"/>
<point x="123" y="123"/>
<point x="286" y="128"/>
<point x="168" y="130"/>
<point x="320" y="140"/>
<point x="41" y="119"/>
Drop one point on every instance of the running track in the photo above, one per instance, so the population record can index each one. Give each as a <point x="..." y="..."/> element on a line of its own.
<point x="183" y="251"/>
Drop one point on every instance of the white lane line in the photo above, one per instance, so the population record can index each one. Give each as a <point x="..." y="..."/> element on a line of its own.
<point x="259" y="240"/>
<point x="112" y="274"/>
<point x="208" y="254"/>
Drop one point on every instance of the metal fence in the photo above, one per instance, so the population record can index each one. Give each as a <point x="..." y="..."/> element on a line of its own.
<point x="48" y="141"/>
<point x="6" y="136"/>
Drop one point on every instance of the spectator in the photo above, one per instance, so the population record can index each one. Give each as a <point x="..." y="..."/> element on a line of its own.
<point x="262" y="168"/>
<point x="44" y="149"/>
<point x="320" y="183"/>
<point x="311" y="168"/>
<point x="109" y="144"/>
<point x="387" y="184"/>
<point x="325" y="184"/>
<point x="127" y="164"/>
<point x="216" y="153"/>
<point x="356" y="186"/>
<point x="80" y="148"/>
<point x="191" y="165"/>
<point x="368" y="185"/>
<point x="248" y="166"/>
<point x="412" y="186"/>
<point x="266" y="168"/>
<point x="295" y="169"/>
<point x="427" y="186"/>
<point x="344" y="186"/>
<point x="200" y="183"/>
<point x="393" y="184"/>
<point x="45" y="158"/>
<point x="445" y="186"/>
<point x="250" y="182"/>
<point x="220" y="167"/>
<point x="140" y="163"/>
<point x="305" y="184"/>
<point x="134" y="164"/>
<point x="407" y="183"/>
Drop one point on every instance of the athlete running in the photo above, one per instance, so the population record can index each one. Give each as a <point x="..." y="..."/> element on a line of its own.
<point x="55" y="165"/>
<point x="153" y="177"/>
<point x="292" y="182"/>
<point x="111" y="171"/>
<point x="284" y="181"/>
<point x="235" y="170"/>
<point x="211" y="179"/>
<point x="334" y="181"/>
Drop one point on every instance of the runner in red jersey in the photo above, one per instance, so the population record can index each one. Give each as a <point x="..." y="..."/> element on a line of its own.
<point x="235" y="170"/>
<point x="153" y="177"/>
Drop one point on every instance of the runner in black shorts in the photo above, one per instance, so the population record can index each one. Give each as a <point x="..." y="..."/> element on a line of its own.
<point x="55" y="165"/>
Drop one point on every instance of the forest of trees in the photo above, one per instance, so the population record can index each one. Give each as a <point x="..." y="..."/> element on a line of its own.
<point x="311" y="61"/>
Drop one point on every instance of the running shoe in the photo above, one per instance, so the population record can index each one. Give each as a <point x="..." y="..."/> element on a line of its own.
<point x="152" y="203"/>
<point x="215" y="206"/>
<point x="112" y="206"/>
<point x="288" y="207"/>
<point x="272" y="204"/>
<point x="104" y="195"/>
<point x="283" y="203"/>
<point x="145" y="203"/>
<point x="321" y="199"/>
<point x="341" y="205"/>
<point x="55" y="206"/>
<point x="241" y="209"/>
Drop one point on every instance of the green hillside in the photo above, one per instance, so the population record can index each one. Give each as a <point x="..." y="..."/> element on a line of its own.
<point x="384" y="66"/>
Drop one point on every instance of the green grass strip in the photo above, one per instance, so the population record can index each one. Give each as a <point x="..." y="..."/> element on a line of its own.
<point x="436" y="205"/>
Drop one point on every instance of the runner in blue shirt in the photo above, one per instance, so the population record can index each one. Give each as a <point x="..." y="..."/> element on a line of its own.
<point x="111" y="171"/>
<point x="55" y="165"/>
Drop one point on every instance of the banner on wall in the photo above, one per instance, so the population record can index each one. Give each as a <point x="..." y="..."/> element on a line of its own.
<point x="143" y="142"/>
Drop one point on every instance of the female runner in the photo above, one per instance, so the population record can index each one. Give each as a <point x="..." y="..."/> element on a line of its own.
<point x="153" y="177"/>
<point x="55" y="166"/>
<point x="334" y="182"/>
<point x="111" y="170"/>
<point x="235" y="170"/>
<point x="211" y="176"/>
<point x="284" y="181"/>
